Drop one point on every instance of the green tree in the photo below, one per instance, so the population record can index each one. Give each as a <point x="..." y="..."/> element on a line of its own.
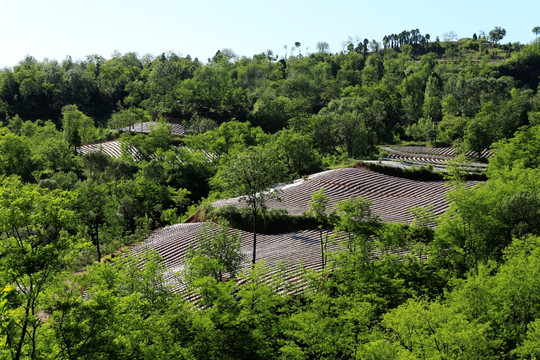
<point x="230" y="137"/>
<point x="505" y="298"/>
<point x="164" y="81"/>
<point x="155" y="200"/>
<point x="432" y="103"/>
<point x="248" y="313"/>
<point x="481" y="132"/>
<point x="191" y="170"/>
<point x="270" y="112"/>
<point x="327" y="328"/>
<point x="16" y="156"/>
<point x="250" y="174"/>
<point x="481" y="221"/>
<point x="412" y="90"/>
<point x="434" y="331"/>
<point x="117" y="75"/>
<point x="53" y="154"/>
<point x="8" y="305"/>
<point x="520" y="152"/>
<point x="497" y="34"/>
<point x="530" y="348"/>
<point x="78" y="128"/>
<point x="318" y="210"/>
<point x="471" y="231"/>
<point x="210" y="93"/>
<point x="536" y="31"/>
<point x="355" y="219"/>
<point x="94" y="208"/>
<point x="120" y="311"/>
<point x="147" y="145"/>
<point x="128" y="209"/>
<point x="424" y="130"/>
<point x="297" y="152"/>
<point x="451" y="128"/>
<point x="345" y="118"/>
<point x="323" y="47"/>
<point x="96" y="163"/>
<point x="127" y="118"/>
<point x="521" y="213"/>
<point x="37" y="246"/>
<point x="15" y="125"/>
<point x="216" y="254"/>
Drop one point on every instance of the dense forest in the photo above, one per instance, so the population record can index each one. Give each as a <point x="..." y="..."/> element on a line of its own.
<point x="468" y="286"/>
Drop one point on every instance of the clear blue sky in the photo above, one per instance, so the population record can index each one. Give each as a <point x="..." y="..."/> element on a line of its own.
<point x="54" y="29"/>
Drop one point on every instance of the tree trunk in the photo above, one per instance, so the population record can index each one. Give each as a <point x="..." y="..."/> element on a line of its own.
<point x="322" y="248"/>
<point x="254" y="238"/>
<point x="20" y="344"/>
<point x="95" y="239"/>
<point x="98" y="248"/>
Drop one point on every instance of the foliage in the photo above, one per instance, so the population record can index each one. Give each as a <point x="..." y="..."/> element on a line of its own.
<point x="394" y="92"/>
<point x="36" y="248"/>
<point x="481" y="221"/>
<point x="122" y="313"/>
<point x="297" y="152"/>
<point x="15" y="156"/>
<point x="505" y="299"/>
<point x="355" y="219"/>
<point x="520" y="152"/>
<point x="249" y="175"/>
<point x="435" y="331"/>
<point x="318" y="210"/>
<point x="497" y="34"/>
<point x="275" y="221"/>
<point x="230" y="137"/>
<point x="217" y="254"/>
<point x="78" y="128"/>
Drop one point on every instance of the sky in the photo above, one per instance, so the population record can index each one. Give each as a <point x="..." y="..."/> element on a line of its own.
<point x="54" y="29"/>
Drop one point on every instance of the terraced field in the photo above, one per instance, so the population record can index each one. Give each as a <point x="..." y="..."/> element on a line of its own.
<point x="287" y="255"/>
<point x="145" y="127"/>
<point x="438" y="157"/>
<point x="111" y="148"/>
<point x="440" y="151"/>
<point x="392" y="197"/>
<point x="114" y="149"/>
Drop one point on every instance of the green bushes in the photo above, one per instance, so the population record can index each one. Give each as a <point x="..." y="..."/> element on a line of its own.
<point x="275" y="221"/>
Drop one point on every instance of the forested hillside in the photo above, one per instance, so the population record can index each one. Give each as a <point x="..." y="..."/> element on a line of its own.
<point x="97" y="154"/>
<point x="410" y="87"/>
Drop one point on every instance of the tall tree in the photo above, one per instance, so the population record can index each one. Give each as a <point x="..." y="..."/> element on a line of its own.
<point x="296" y="151"/>
<point x="297" y="44"/>
<point x="497" y="34"/>
<point x="78" y="128"/>
<point x="346" y="117"/>
<point x="323" y="47"/>
<point x="250" y="174"/>
<point x="94" y="206"/>
<point x="374" y="45"/>
<point x="15" y="156"/>
<point x="355" y="218"/>
<point x="482" y="131"/>
<point x="432" y="104"/>
<point x="536" y="31"/>
<point x="36" y="245"/>
<point x="318" y="210"/>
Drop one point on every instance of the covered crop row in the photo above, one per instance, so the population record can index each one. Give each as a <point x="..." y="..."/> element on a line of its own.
<point x="391" y="196"/>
